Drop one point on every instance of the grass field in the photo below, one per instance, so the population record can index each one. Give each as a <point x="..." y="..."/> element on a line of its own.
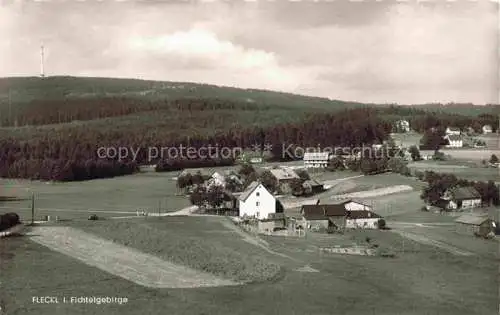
<point x="184" y="240"/>
<point x="460" y="170"/>
<point x="104" y="197"/>
<point x="420" y="280"/>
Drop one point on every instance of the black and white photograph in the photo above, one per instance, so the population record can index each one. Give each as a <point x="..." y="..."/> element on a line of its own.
<point x="249" y="157"/>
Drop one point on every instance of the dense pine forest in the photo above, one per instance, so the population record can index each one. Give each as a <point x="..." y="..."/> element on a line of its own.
<point x="52" y="128"/>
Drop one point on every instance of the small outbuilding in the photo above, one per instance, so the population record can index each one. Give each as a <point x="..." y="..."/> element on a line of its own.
<point x="478" y="225"/>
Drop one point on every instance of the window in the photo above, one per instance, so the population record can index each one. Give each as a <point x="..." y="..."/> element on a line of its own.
<point x="257" y="203"/>
<point x="257" y="194"/>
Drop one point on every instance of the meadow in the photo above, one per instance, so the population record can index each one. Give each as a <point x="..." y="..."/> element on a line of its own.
<point x="118" y="196"/>
<point x="460" y="170"/>
<point x="419" y="280"/>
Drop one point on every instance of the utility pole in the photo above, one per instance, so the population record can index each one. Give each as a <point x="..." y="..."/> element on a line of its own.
<point x="32" y="208"/>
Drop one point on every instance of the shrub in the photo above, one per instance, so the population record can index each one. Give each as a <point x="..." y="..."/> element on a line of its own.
<point x="9" y="220"/>
<point x="93" y="217"/>
<point x="381" y="224"/>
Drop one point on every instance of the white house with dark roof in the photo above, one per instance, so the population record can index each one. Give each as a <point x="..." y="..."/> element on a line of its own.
<point x="461" y="198"/>
<point x="363" y="219"/>
<point x="316" y="159"/>
<point x="257" y="202"/>
<point x="454" y="141"/>
<point x="487" y="129"/>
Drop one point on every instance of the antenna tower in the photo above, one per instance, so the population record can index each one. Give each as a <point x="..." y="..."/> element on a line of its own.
<point x="42" y="70"/>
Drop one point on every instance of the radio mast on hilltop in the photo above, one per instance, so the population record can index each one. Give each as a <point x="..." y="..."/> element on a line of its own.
<point x="42" y="70"/>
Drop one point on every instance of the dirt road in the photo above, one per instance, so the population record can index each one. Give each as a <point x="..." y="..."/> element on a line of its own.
<point x="131" y="264"/>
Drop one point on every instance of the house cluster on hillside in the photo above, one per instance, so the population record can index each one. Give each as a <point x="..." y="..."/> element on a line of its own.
<point x="456" y="138"/>
<point x="259" y="204"/>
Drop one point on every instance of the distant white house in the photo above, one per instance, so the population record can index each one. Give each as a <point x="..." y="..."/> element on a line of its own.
<point x="453" y="131"/>
<point x="316" y="159"/>
<point x="402" y="125"/>
<point x="256" y="202"/>
<point x="461" y="198"/>
<point x="362" y="219"/>
<point x="221" y="178"/>
<point x="487" y="129"/>
<point x="454" y="141"/>
<point x="217" y="179"/>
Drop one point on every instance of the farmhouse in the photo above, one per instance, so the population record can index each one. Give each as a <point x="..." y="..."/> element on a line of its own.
<point x="316" y="159"/>
<point x="454" y="141"/>
<point x="312" y="186"/>
<point x="284" y="176"/>
<point x="362" y="219"/>
<point x="220" y="178"/>
<point x="487" y="129"/>
<point x="402" y="125"/>
<point x="474" y="224"/>
<point x="452" y="131"/>
<point x="461" y="198"/>
<point x="257" y="202"/>
<point x="317" y="217"/>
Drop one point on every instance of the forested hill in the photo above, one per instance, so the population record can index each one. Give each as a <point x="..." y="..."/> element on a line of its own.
<point x="20" y="90"/>
<point x="25" y="89"/>
<point x="53" y="128"/>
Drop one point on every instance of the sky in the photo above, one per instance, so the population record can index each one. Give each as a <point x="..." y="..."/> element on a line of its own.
<point x="378" y="51"/>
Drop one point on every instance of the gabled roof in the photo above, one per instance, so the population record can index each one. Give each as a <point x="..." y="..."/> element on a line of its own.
<point x="244" y="196"/>
<point x="362" y="214"/>
<point x="281" y="173"/>
<point x="463" y="193"/>
<point x="487" y="127"/>
<point x="472" y="219"/>
<point x="312" y="183"/>
<point x="315" y="156"/>
<point x="453" y="129"/>
<point x="322" y="212"/>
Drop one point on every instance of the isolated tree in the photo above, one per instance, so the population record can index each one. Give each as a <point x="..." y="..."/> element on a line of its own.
<point x="197" y="179"/>
<point x="335" y="164"/>
<point x="269" y="181"/>
<point x="433" y="140"/>
<point x="246" y="169"/>
<point x="296" y="185"/>
<point x="215" y="196"/>
<point x="415" y="153"/>
<point x="493" y="159"/>
<point x="252" y="177"/>
<point x="381" y="224"/>
<point x="303" y="174"/>
<point x="198" y="196"/>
